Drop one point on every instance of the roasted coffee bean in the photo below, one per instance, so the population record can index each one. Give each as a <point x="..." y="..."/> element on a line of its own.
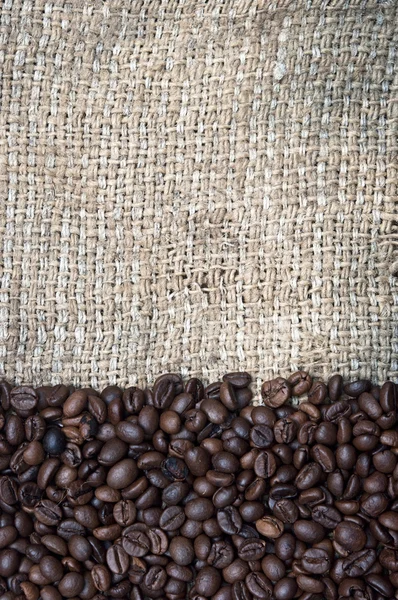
<point x="15" y="432"/>
<point x="308" y="531"/>
<point x="54" y="441"/>
<point x="350" y="536"/>
<point x="270" y="527"/>
<point x="285" y="589"/>
<point x="308" y="476"/>
<point x="229" y="520"/>
<point x="359" y="563"/>
<point x="356" y="388"/>
<point x="8" y="490"/>
<point x="317" y="393"/>
<point x="48" y="512"/>
<point x="23" y="399"/>
<point x="252" y="549"/>
<point x="117" y="559"/>
<point x="335" y="387"/>
<point x="135" y="543"/>
<point x="275" y="392"/>
<point x="71" y="585"/>
<point x="316" y="561"/>
<point x="51" y="568"/>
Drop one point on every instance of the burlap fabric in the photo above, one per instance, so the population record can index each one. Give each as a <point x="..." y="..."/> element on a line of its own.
<point x="198" y="187"/>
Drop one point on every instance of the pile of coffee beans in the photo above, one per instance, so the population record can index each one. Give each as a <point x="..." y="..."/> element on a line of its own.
<point x="185" y="491"/>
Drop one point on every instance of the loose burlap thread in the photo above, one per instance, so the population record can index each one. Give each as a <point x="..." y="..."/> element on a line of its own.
<point x="198" y="187"/>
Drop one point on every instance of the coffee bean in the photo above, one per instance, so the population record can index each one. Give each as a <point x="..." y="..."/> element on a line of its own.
<point x="54" y="441"/>
<point x="229" y="520"/>
<point x="356" y="388"/>
<point x="316" y="561"/>
<point x="317" y="393"/>
<point x="359" y="563"/>
<point x="261" y="436"/>
<point x="252" y="549"/>
<point x="285" y="589"/>
<point x="48" y="512"/>
<point x="308" y="531"/>
<point x="199" y="509"/>
<point x="49" y="592"/>
<point x="51" y="568"/>
<point x="308" y="476"/>
<point x="8" y="490"/>
<point x="259" y="585"/>
<point x="135" y="543"/>
<point x="275" y="392"/>
<point x="71" y="585"/>
<point x="270" y="527"/>
<point x="23" y="399"/>
<point x="350" y="536"/>
<point x="8" y="535"/>
<point x="335" y="387"/>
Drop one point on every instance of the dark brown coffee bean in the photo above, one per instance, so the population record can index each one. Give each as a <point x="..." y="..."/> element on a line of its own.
<point x="275" y="392"/>
<point x="225" y="496"/>
<point x="135" y="543"/>
<point x="112" y="452"/>
<point x="55" y="544"/>
<point x="300" y="383"/>
<point x="285" y="589"/>
<point x="14" y="430"/>
<point x="51" y="568"/>
<point x="327" y="516"/>
<point x="8" y="490"/>
<point x="225" y="462"/>
<point x="308" y="531"/>
<point x="195" y="388"/>
<point x="252" y="549"/>
<point x="380" y="584"/>
<point x="117" y="559"/>
<point x="265" y="464"/>
<point x="181" y="550"/>
<point x="335" y="387"/>
<point x="238" y="379"/>
<point x="199" y="509"/>
<point x="23" y="399"/>
<point x="69" y="527"/>
<point x="356" y="388"/>
<point x="49" y="592"/>
<point x="172" y="518"/>
<point x="359" y="563"/>
<point x="8" y="534"/>
<point x="220" y="479"/>
<point x="324" y="457"/>
<point x="122" y="474"/>
<point x="286" y="511"/>
<point x="48" y="512"/>
<point x="350" y="536"/>
<point x="71" y="585"/>
<point x="229" y="520"/>
<point x="375" y="504"/>
<point x="308" y="476"/>
<point x="165" y="389"/>
<point x="317" y="393"/>
<point x="261" y="436"/>
<point x="228" y="396"/>
<point x="316" y="561"/>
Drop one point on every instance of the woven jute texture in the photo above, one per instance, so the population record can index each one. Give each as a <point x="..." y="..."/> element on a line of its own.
<point x="198" y="187"/>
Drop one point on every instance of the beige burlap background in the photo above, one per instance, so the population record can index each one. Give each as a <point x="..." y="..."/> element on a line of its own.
<point x="198" y="187"/>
